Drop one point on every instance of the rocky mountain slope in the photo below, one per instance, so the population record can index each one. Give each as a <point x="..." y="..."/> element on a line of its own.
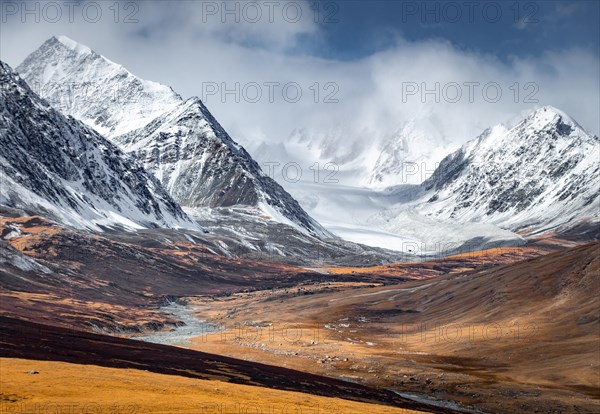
<point x="201" y="166"/>
<point x="56" y="166"/>
<point x="541" y="174"/>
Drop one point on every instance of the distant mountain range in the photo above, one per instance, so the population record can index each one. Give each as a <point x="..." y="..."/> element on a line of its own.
<point x="166" y="159"/>
<point x="541" y="175"/>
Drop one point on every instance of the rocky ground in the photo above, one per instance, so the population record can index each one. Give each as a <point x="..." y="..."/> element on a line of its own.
<point x="521" y="338"/>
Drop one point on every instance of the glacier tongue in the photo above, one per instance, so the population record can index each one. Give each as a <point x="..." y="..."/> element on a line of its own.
<point x="56" y="166"/>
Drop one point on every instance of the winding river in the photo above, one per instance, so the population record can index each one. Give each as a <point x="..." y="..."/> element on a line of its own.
<point x="180" y="335"/>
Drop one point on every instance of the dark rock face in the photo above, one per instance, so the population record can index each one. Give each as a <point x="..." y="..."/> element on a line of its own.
<point x="51" y="163"/>
<point x="448" y="171"/>
<point x="202" y="166"/>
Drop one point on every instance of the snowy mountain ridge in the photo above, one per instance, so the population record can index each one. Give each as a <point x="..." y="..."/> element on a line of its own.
<point x="178" y="141"/>
<point x="58" y="167"/>
<point x="88" y="86"/>
<point x="201" y="166"/>
<point x="534" y="175"/>
<point x="542" y="173"/>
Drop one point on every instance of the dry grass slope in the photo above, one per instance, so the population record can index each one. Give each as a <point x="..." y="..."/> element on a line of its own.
<point x="61" y="387"/>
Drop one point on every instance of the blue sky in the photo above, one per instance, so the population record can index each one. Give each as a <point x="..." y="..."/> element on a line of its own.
<point x="502" y="28"/>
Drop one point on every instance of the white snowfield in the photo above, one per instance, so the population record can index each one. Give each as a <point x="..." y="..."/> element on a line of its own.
<point x="383" y="219"/>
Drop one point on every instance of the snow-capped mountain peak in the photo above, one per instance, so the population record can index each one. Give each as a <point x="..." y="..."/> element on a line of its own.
<point x="73" y="45"/>
<point x="549" y="117"/>
<point x="88" y="86"/>
<point x="542" y="173"/>
<point x="549" y="112"/>
<point x="178" y="141"/>
<point x="201" y="166"/>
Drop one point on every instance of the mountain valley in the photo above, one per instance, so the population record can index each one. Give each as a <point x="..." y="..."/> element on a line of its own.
<point x="148" y="263"/>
